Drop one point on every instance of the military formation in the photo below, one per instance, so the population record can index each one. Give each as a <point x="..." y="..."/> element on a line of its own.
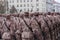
<point x="30" y="26"/>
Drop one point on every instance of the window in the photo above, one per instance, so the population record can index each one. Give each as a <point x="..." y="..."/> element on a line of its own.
<point x="27" y="5"/>
<point x="17" y="5"/>
<point x="31" y="10"/>
<point x="20" y="0"/>
<point x="13" y="1"/>
<point x="37" y="9"/>
<point x="10" y="5"/>
<point x="24" y="0"/>
<point x="20" y="10"/>
<point x="27" y="0"/>
<point x="28" y="10"/>
<point x="37" y="0"/>
<point x="10" y="1"/>
<point x="21" y="5"/>
<point x="37" y="4"/>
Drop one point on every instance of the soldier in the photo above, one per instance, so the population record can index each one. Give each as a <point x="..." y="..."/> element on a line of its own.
<point x="45" y="28"/>
<point x="26" y="31"/>
<point x="12" y="31"/>
<point x="36" y="29"/>
<point x="57" y="21"/>
<point x="3" y="28"/>
<point x="26" y="18"/>
<point x="48" y="23"/>
<point x="51" y="18"/>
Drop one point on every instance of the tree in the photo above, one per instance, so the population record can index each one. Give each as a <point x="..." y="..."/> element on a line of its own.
<point x="2" y="9"/>
<point x="13" y="9"/>
<point x="31" y="10"/>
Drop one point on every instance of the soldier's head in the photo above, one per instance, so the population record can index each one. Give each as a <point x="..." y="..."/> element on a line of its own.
<point x="8" y="17"/>
<point x="21" y="15"/>
<point x="44" y="14"/>
<point x="26" y="14"/>
<point x="36" y="14"/>
<point x="40" y="13"/>
<point x="52" y="14"/>
<point x="57" y="13"/>
<point x="49" y="13"/>
<point x="31" y="14"/>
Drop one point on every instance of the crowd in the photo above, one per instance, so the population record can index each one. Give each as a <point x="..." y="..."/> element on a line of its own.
<point x="30" y="26"/>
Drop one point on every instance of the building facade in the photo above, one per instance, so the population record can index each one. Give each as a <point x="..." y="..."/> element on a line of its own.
<point x="2" y="2"/>
<point x="49" y="5"/>
<point x="56" y="6"/>
<point x="31" y="5"/>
